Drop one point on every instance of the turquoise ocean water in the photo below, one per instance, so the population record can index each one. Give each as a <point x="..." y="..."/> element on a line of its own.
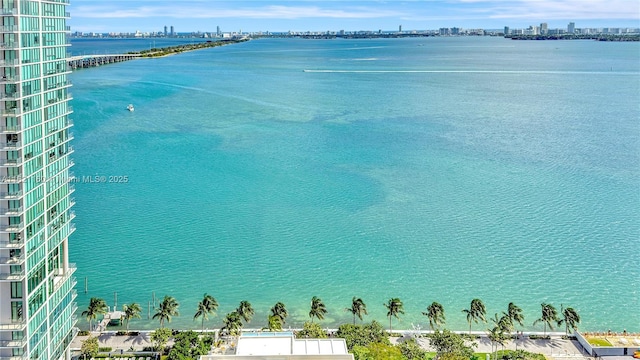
<point x="434" y="169"/>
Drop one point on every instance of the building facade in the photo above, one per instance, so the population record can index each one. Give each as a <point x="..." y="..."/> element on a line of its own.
<point x="37" y="296"/>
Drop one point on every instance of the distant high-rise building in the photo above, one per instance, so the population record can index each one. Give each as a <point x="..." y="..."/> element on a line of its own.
<point x="544" y="28"/>
<point x="400" y="28"/>
<point x="571" y="28"/>
<point x="506" y="30"/>
<point x="173" y="33"/>
<point x="37" y="299"/>
<point x="165" y="31"/>
<point x="217" y="30"/>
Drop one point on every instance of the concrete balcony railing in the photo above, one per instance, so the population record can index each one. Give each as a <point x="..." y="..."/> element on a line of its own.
<point x="9" y="45"/>
<point x="21" y="357"/>
<point x="12" y="260"/>
<point x="11" y="179"/>
<point x="13" y="145"/>
<point x="4" y="12"/>
<point x="10" y="162"/>
<point x="9" y="62"/>
<point x="13" y="344"/>
<point x="11" y="195"/>
<point x="12" y="276"/>
<point x="11" y="244"/>
<point x="14" y="228"/>
<point x="11" y="129"/>
<point x="11" y="211"/>
<point x="9" y="28"/>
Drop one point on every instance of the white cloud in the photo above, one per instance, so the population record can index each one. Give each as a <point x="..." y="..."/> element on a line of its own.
<point x="265" y="12"/>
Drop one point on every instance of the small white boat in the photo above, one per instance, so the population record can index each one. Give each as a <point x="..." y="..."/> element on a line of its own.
<point x="130" y="107"/>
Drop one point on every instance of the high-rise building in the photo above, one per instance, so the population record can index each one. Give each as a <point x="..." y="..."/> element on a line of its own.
<point x="506" y="30"/>
<point x="544" y="28"/>
<point x="37" y="299"/>
<point x="172" y="32"/>
<point x="165" y="31"/>
<point x="571" y="28"/>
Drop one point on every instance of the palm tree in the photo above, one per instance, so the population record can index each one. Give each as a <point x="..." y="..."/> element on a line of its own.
<point x="131" y="311"/>
<point x="435" y="313"/>
<point x="503" y="323"/>
<point x="496" y="335"/>
<point x="475" y="312"/>
<point x="166" y="309"/>
<point x="231" y="323"/>
<point x="245" y="310"/>
<point x="274" y="323"/>
<point x="514" y="313"/>
<point x="96" y="306"/>
<point x="208" y="305"/>
<point x="394" y="307"/>
<point x="549" y="316"/>
<point x="570" y="318"/>
<point x="358" y="307"/>
<point x="318" y="309"/>
<point x="280" y="311"/>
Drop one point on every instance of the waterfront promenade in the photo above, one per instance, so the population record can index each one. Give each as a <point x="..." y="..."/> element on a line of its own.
<point x="556" y="348"/>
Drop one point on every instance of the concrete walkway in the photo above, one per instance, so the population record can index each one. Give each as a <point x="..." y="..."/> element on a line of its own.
<point x="556" y="348"/>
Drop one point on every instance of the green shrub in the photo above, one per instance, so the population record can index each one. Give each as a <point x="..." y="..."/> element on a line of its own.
<point x="519" y="355"/>
<point x="539" y="337"/>
<point x="105" y="349"/>
<point x="83" y="333"/>
<point x="411" y="350"/>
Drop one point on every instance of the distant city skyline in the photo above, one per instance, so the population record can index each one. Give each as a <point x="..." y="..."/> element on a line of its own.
<point x="332" y="15"/>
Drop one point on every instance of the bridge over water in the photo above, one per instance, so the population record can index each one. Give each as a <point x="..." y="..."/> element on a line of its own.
<point x="86" y="61"/>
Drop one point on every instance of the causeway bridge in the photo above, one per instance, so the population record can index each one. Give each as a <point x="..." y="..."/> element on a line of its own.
<point x="87" y="61"/>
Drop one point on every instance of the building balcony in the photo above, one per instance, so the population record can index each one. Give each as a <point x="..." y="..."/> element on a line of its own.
<point x="11" y="211"/>
<point x="12" y="260"/>
<point x="58" y="85"/>
<point x="13" y="276"/>
<point x="11" y="195"/>
<point x="11" y="244"/>
<point x="12" y="145"/>
<point x="13" y="344"/>
<point x="12" y="228"/>
<point x="5" y="12"/>
<point x="10" y="96"/>
<point x="9" y="62"/>
<point x="9" y="79"/>
<point x="9" y="45"/>
<point x="10" y="162"/>
<point x="14" y="129"/>
<point x="21" y="357"/>
<point x="68" y="275"/>
<point x="11" y="112"/>
<point x="9" y="28"/>
<point x="4" y="180"/>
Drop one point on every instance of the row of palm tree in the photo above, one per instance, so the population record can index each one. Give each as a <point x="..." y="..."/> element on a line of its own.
<point x="243" y="314"/>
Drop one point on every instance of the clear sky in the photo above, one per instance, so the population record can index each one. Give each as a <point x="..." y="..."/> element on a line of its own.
<point x="350" y="15"/>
